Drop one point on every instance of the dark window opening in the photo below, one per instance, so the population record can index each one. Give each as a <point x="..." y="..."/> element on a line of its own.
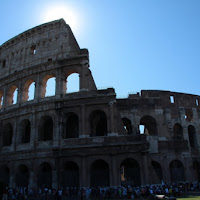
<point x="189" y="115"/>
<point x="192" y="136"/>
<point x="157" y="175"/>
<point x="4" y="176"/>
<point x="150" y="125"/>
<point x="70" y="176"/>
<point x="196" y="167"/>
<point x="177" y="131"/>
<point x="7" y="135"/>
<point x="46" y="129"/>
<point x="99" y="175"/>
<point x="25" y="131"/>
<point x="130" y="173"/>
<point x="33" y="49"/>
<point x="3" y="63"/>
<point x="127" y="125"/>
<point x="98" y="123"/>
<point x="177" y="171"/>
<point x="45" y="175"/>
<point x="72" y="126"/>
<point x="22" y="176"/>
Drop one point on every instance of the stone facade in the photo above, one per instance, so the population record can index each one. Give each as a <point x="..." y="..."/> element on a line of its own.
<point x="89" y="137"/>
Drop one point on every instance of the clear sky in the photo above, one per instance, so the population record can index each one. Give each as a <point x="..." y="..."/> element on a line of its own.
<point x="133" y="44"/>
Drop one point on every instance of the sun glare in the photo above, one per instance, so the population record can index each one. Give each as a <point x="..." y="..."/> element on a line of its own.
<point x="62" y="11"/>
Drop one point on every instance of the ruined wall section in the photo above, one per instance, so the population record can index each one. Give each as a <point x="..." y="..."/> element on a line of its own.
<point x="47" y="42"/>
<point x="169" y="109"/>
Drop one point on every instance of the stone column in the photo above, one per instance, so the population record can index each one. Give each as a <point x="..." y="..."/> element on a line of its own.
<point x="112" y="120"/>
<point x="16" y="134"/>
<point x="115" y="172"/>
<point x="5" y="97"/>
<point x="19" y="93"/>
<point x="60" y="84"/>
<point x="83" y="132"/>
<point x="83" y="178"/>
<point x="32" y="181"/>
<point x="145" y="179"/>
<point x="34" y="130"/>
<point x="54" y="180"/>
<point x="83" y="76"/>
<point x="37" y="89"/>
<point x="12" y="176"/>
<point x="56" y="132"/>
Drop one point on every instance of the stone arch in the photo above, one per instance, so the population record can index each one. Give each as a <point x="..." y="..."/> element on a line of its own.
<point x="4" y="175"/>
<point x="177" y="131"/>
<point x="25" y="131"/>
<point x="28" y="91"/>
<point x="99" y="173"/>
<point x="22" y="176"/>
<point x="177" y="171"/>
<point x="157" y="172"/>
<point x="73" y="82"/>
<point x="130" y="172"/>
<point x="196" y="167"/>
<point x="47" y="86"/>
<point x="70" y="176"/>
<point x="7" y="134"/>
<point x="98" y="122"/>
<point x="71" y="126"/>
<point x="12" y="95"/>
<point x="150" y="125"/>
<point x="45" y="175"/>
<point x="46" y="128"/>
<point x="1" y="99"/>
<point x="192" y="136"/>
<point x="127" y="125"/>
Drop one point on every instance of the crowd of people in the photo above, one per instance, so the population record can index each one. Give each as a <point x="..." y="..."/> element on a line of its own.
<point x="93" y="193"/>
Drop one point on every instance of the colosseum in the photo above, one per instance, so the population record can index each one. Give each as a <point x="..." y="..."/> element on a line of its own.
<point x="89" y="137"/>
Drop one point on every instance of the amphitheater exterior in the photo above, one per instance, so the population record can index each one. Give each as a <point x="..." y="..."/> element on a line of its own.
<point x="89" y="137"/>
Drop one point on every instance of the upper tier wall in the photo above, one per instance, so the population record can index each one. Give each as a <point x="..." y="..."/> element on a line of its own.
<point x="47" y="42"/>
<point x="173" y="98"/>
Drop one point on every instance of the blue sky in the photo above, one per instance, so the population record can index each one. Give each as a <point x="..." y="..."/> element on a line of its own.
<point x="133" y="44"/>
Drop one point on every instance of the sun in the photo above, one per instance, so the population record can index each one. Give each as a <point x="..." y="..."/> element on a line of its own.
<point x="55" y="12"/>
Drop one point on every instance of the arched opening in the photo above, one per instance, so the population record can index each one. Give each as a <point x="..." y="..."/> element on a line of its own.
<point x="72" y="83"/>
<point x="72" y="126"/>
<point x="189" y="115"/>
<point x="156" y="175"/>
<point x="99" y="174"/>
<point x="177" y="171"/>
<point x="45" y="175"/>
<point x="177" y="131"/>
<point x="196" y="167"/>
<point x="192" y="136"/>
<point x="98" y="123"/>
<point x="70" y="177"/>
<point x="130" y="173"/>
<point x="25" y="129"/>
<point x="48" y="87"/>
<point x="12" y="95"/>
<point x="127" y="125"/>
<point x="29" y="91"/>
<point x="7" y="134"/>
<point x="22" y="176"/>
<point x="1" y="99"/>
<point x="4" y="176"/>
<point x="46" y="128"/>
<point x="150" y="125"/>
